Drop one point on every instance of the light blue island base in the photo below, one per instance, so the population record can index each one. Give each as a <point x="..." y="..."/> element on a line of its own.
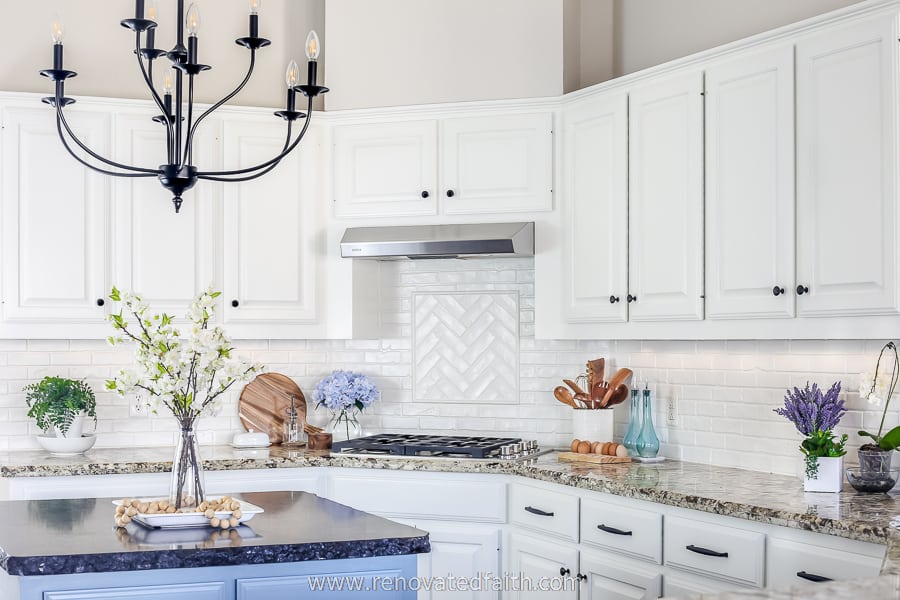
<point x="376" y="578"/>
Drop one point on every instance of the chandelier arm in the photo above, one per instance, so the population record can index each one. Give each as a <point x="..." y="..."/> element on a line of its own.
<point x="288" y="150"/>
<point x="188" y="149"/>
<point x="148" y="79"/>
<point x="287" y="142"/>
<point x="61" y="119"/>
<point x="214" y="107"/>
<point x="65" y="144"/>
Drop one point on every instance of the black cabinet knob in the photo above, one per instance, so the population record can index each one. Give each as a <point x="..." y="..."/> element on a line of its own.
<point x="631" y="298"/>
<point x="235" y="303"/>
<point x="450" y="193"/>
<point x="613" y="299"/>
<point x="777" y="291"/>
<point x="564" y="571"/>
<point x="425" y="194"/>
<point x="580" y="576"/>
<point x="802" y="289"/>
<point x="100" y="301"/>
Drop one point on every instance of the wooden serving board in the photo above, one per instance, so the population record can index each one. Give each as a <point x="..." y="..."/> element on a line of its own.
<point x="265" y="404"/>
<point x="592" y="458"/>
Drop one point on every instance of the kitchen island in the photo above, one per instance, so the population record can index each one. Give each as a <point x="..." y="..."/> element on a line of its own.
<point x="68" y="549"/>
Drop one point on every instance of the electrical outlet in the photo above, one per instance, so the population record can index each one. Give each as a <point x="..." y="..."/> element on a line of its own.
<point x="138" y="406"/>
<point x="671" y="411"/>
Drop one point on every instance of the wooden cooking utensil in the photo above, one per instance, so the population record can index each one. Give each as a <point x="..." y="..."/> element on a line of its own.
<point x="575" y="387"/>
<point x="595" y="370"/>
<point x="617" y="396"/>
<point x="621" y="377"/>
<point x="564" y="396"/>
<point x="598" y="390"/>
<point x="583" y="399"/>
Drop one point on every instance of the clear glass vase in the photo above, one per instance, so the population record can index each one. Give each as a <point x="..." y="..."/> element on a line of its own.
<point x="186" y="487"/>
<point x="344" y="425"/>
<point x="634" y="424"/>
<point x="648" y="442"/>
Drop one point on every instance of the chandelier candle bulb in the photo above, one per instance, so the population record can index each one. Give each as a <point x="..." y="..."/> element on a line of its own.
<point x="312" y="53"/>
<point x="57" y="33"/>
<point x="291" y="77"/>
<point x="254" y="18"/>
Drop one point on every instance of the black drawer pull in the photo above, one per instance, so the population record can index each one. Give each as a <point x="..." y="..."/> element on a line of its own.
<point x="612" y="530"/>
<point x="811" y="577"/>
<point x="706" y="551"/>
<point x="539" y="512"/>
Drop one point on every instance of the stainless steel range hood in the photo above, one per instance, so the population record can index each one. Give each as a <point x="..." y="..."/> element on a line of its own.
<point x="439" y="241"/>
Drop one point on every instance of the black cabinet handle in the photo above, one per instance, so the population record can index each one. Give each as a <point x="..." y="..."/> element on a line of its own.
<point x="612" y="530"/>
<point x="631" y="298"/>
<point x="450" y="193"/>
<point x="100" y="301"/>
<point x="706" y="551"/>
<point x="564" y="571"/>
<point x="235" y="303"/>
<point x="425" y="194"/>
<point x="777" y="291"/>
<point x="811" y="577"/>
<point x="539" y="512"/>
<point x="802" y="289"/>
<point x="580" y="576"/>
<point x="613" y="299"/>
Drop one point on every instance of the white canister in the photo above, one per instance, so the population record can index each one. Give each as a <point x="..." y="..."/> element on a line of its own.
<point x="595" y="425"/>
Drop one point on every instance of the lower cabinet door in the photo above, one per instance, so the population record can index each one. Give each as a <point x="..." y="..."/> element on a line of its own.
<point x="464" y="562"/>
<point x="214" y="590"/>
<point x="372" y="585"/>
<point x="541" y="570"/>
<point x="610" y="578"/>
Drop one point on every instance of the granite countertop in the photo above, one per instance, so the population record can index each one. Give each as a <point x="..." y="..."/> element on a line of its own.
<point x="751" y="495"/>
<point x="58" y="537"/>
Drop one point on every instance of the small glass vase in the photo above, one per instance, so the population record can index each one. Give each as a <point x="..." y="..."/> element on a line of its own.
<point x="648" y="443"/>
<point x="634" y="424"/>
<point x="186" y="487"/>
<point x="344" y="425"/>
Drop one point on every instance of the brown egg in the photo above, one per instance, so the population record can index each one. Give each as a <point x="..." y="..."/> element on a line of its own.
<point x="596" y="447"/>
<point x="605" y="449"/>
<point x="613" y="447"/>
<point x="575" y="443"/>
<point x="584" y="448"/>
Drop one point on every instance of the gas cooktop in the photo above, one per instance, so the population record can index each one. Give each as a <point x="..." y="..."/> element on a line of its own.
<point x="438" y="446"/>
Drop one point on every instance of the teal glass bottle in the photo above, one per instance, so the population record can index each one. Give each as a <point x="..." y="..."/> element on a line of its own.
<point x="634" y="424"/>
<point x="648" y="442"/>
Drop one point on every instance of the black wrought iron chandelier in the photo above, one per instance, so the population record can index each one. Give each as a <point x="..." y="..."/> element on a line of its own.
<point x="178" y="174"/>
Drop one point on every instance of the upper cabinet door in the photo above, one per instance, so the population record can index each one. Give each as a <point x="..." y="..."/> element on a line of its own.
<point x="54" y="223"/>
<point x="847" y="208"/>
<point x="595" y="210"/>
<point x="270" y="230"/>
<point x="750" y="187"/>
<point x="497" y="164"/>
<point x="166" y="257"/>
<point x="385" y="169"/>
<point x="665" y="222"/>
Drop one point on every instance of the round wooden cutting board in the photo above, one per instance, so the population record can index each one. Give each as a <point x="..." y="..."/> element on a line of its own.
<point x="265" y="404"/>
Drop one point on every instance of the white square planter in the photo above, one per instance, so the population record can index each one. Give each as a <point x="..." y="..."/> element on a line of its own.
<point x="830" y="476"/>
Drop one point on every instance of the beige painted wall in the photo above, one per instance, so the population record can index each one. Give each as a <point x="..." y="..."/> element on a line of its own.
<point x="396" y="52"/>
<point x="650" y="32"/>
<point x="102" y="52"/>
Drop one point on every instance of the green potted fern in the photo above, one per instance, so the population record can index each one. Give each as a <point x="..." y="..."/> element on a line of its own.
<point x="60" y="405"/>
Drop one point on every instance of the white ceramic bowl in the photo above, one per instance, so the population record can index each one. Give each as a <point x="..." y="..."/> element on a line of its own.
<point x="59" y="446"/>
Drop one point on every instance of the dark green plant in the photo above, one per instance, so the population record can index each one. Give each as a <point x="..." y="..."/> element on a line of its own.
<point x="56" y="401"/>
<point x="821" y="444"/>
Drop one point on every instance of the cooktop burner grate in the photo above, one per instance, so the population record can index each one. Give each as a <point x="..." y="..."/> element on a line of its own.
<point x="425" y="445"/>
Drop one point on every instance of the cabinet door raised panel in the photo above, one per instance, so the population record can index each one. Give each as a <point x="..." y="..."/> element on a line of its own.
<point x="166" y="257"/>
<point x="612" y="579"/>
<point x="847" y="156"/>
<point x="270" y="262"/>
<point x="385" y="169"/>
<point x="665" y="222"/>
<point x="750" y="187"/>
<point x="595" y="210"/>
<point x="542" y="564"/>
<point x="54" y="223"/>
<point x="496" y="164"/>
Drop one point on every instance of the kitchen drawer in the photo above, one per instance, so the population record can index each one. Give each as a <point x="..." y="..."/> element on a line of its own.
<point x="786" y="560"/>
<point x="622" y="530"/>
<point x="554" y="512"/>
<point x="716" y="550"/>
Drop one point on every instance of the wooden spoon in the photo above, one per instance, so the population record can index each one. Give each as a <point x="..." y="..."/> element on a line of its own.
<point x="575" y="387"/>
<point x="617" y="396"/>
<point x="621" y="377"/>
<point x="596" y="370"/>
<point x="564" y="396"/>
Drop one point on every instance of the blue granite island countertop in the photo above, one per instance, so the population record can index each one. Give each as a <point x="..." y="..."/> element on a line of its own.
<point x="59" y="537"/>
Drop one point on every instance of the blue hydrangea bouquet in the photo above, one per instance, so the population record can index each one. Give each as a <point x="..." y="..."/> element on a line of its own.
<point x="345" y="394"/>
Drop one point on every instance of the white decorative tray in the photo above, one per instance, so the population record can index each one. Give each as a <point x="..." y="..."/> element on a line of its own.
<point x="191" y="519"/>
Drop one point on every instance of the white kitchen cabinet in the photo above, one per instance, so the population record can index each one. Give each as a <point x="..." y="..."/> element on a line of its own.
<point x="665" y="221"/>
<point x="792" y="562"/>
<point x="272" y="254"/>
<point x="847" y="157"/>
<point x="716" y="550"/>
<point x="385" y="168"/>
<point x="543" y="564"/>
<point x="476" y="164"/>
<point x="686" y="587"/>
<point x="750" y="186"/>
<point x="168" y="258"/>
<point x="595" y="210"/>
<point x="610" y="578"/>
<point x="54" y="220"/>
